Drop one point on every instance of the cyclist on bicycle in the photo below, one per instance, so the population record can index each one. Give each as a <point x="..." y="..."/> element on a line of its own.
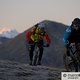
<point x="37" y="35"/>
<point x="72" y="35"/>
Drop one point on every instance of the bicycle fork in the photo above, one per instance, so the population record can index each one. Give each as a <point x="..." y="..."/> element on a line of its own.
<point x="74" y="61"/>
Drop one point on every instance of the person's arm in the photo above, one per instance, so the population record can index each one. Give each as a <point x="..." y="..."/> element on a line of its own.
<point x="28" y="35"/>
<point x="47" y="38"/>
<point x="66" y="35"/>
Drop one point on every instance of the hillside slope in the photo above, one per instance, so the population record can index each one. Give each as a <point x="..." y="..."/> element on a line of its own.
<point x="16" y="50"/>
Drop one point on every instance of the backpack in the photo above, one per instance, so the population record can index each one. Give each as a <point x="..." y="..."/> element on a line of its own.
<point x="37" y="35"/>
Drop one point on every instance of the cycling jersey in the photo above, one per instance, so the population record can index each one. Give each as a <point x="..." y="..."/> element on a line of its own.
<point x="71" y="36"/>
<point x="36" y="37"/>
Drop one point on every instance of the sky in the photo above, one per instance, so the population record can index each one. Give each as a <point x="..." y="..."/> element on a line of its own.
<point x="22" y="14"/>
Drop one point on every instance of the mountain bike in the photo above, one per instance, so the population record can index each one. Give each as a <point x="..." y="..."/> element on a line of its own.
<point x="72" y="62"/>
<point x="36" y="54"/>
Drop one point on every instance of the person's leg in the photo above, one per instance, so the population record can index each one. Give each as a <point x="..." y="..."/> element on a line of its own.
<point x="40" y="55"/>
<point x="67" y="50"/>
<point x="31" y="49"/>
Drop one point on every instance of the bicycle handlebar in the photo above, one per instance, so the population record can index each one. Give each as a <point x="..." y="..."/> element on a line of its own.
<point x="74" y="45"/>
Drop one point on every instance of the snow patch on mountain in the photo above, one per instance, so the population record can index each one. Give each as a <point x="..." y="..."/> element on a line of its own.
<point x="8" y="33"/>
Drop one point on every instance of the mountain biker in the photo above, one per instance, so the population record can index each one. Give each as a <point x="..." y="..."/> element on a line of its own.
<point x="72" y="35"/>
<point x="37" y="35"/>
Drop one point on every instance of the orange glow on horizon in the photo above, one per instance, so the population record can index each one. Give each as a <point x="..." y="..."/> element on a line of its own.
<point x="2" y="30"/>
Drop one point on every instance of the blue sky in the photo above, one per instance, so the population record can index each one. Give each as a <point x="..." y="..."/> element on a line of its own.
<point x="22" y="14"/>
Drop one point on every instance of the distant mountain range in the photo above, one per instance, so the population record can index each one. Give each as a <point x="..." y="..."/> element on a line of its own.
<point x="16" y="50"/>
<point x="7" y="34"/>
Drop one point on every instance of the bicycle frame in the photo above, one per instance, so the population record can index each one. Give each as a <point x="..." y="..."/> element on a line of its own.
<point x="74" y="55"/>
<point x="36" y="53"/>
<point x="73" y="52"/>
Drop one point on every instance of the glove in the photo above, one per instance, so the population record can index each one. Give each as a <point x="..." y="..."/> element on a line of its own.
<point x="47" y="45"/>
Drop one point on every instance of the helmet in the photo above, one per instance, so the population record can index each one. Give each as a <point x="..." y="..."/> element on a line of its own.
<point x="39" y="28"/>
<point x="76" y="21"/>
<point x="42" y="27"/>
<point x="36" y="25"/>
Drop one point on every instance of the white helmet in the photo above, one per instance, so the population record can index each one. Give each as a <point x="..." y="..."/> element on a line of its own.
<point x="42" y="26"/>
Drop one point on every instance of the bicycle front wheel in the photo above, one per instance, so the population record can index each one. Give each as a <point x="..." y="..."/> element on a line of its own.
<point x="35" y="59"/>
<point x="68" y="62"/>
